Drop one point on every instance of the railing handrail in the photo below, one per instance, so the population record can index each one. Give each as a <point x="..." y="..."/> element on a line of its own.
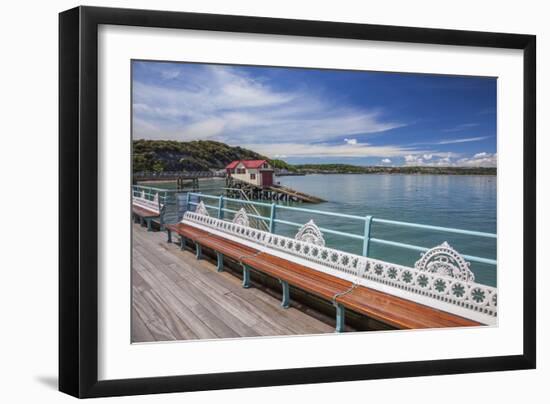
<point x="367" y="220"/>
<point x="146" y="188"/>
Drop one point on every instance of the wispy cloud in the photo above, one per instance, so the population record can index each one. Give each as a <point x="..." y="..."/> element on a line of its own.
<point x="464" y="140"/>
<point x="461" y="127"/>
<point x="295" y="149"/>
<point x="449" y="141"/>
<point x="224" y="103"/>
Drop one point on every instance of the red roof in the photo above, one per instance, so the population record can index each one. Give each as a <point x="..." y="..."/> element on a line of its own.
<point x="246" y="163"/>
<point x="233" y="164"/>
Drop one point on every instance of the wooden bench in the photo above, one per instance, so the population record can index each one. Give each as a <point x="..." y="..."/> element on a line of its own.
<point x="146" y="210"/>
<point x="343" y="285"/>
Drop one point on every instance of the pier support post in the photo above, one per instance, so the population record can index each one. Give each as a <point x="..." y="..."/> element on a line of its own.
<point x="285" y="301"/>
<point x="219" y="266"/>
<point x="141" y="221"/>
<point x="246" y="276"/>
<point x="169" y="234"/>
<point x="198" y="252"/>
<point x="340" y="317"/>
<point x="149" y="225"/>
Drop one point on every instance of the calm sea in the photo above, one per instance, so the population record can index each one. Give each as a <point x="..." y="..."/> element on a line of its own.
<point x="465" y="202"/>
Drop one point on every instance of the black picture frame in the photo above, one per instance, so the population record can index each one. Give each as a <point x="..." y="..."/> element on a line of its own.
<point x="78" y="193"/>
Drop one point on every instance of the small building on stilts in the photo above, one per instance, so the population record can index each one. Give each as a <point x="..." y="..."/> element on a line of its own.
<point x="253" y="180"/>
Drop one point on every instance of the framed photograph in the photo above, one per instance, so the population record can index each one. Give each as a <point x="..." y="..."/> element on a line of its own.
<point x="250" y="201"/>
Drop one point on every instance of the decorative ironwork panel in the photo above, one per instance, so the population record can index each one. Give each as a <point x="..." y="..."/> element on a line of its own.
<point x="201" y="209"/>
<point x="310" y="233"/>
<point x="445" y="260"/>
<point x="241" y="218"/>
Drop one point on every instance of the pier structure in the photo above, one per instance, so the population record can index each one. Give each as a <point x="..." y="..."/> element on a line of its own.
<point x="236" y="188"/>
<point x="183" y="179"/>
<point x="253" y="179"/>
<point x="343" y="290"/>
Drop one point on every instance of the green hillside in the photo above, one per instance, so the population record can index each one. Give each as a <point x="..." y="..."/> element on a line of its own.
<point x="200" y="155"/>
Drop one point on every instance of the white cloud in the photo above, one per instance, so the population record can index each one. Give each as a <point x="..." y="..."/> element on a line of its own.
<point x="452" y="160"/>
<point x="225" y="104"/>
<point x="350" y="141"/>
<point x="326" y="150"/>
<point x="461" y="127"/>
<point x="427" y="156"/>
<point x="469" y="139"/>
<point x="170" y="74"/>
<point x="479" y="160"/>
<point x="386" y="161"/>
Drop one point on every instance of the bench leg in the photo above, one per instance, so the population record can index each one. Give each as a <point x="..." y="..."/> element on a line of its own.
<point x="246" y="276"/>
<point x="198" y="252"/>
<point x="182" y="243"/>
<point x="340" y="317"/>
<point x="149" y="228"/>
<point x="169" y="234"/>
<point x="219" y="266"/>
<point x="285" y="301"/>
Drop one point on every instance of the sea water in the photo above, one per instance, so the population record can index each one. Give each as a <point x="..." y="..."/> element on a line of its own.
<point x="458" y="201"/>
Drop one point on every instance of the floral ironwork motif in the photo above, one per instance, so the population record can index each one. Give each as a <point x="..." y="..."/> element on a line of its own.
<point x="241" y="218"/>
<point x="201" y="209"/>
<point x="445" y="260"/>
<point x="310" y="233"/>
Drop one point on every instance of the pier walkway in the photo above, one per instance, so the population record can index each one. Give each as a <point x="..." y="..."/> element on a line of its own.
<point x="176" y="297"/>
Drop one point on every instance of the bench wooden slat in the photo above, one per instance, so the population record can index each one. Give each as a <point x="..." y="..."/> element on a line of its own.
<point x="389" y="309"/>
<point x="145" y="213"/>
<point x="399" y="312"/>
<point x="221" y="245"/>
<point x="187" y="231"/>
<point x="299" y="276"/>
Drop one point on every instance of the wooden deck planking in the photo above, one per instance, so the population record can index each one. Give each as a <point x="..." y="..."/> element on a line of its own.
<point x="176" y="297"/>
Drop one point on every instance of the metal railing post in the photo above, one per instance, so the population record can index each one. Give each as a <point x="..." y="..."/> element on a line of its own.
<point x="366" y="239"/>
<point x="188" y="199"/>
<point x="272" y="218"/>
<point x="220" y="208"/>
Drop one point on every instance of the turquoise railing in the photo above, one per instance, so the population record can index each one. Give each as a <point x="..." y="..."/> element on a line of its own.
<point x="366" y="237"/>
<point x="150" y="192"/>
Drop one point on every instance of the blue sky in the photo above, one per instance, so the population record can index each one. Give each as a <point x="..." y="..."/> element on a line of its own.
<point x="320" y="116"/>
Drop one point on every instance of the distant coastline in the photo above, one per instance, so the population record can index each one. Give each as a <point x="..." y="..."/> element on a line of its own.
<point x="204" y="155"/>
<point x="426" y="170"/>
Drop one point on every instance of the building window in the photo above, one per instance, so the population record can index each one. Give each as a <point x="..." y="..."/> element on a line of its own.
<point x="266" y="165"/>
<point x="252" y="176"/>
<point x="241" y="171"/>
